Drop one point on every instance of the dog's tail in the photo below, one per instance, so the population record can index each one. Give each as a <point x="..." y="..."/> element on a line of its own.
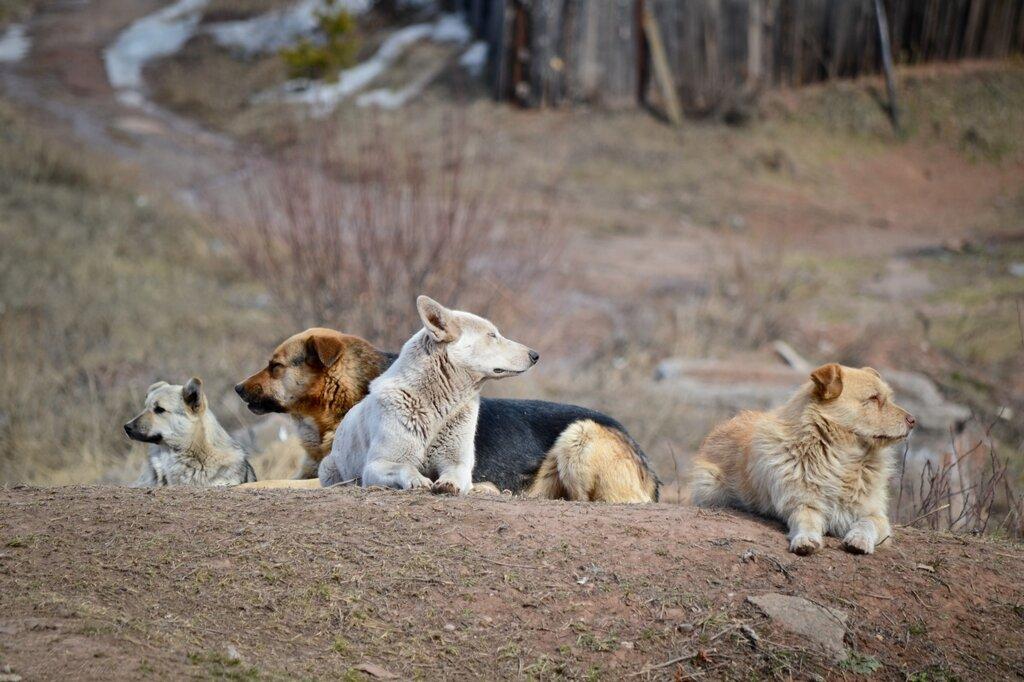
<point x="707" y="486"/>
<point x="597" y="463"/>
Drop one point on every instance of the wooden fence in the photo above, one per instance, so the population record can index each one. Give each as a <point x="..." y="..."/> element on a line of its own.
<point x="720" y="52"/>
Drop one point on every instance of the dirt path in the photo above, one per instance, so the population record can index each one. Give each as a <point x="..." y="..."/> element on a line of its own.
<point x="115" y="583"/>
<point x="64" y="79"/>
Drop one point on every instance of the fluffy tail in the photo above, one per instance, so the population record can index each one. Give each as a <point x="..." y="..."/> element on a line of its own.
<point x="707" y="485"/>
<point x="596" y="463"/>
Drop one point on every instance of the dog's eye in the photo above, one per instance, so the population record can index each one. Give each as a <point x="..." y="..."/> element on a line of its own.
<point x="877" y="399"/>
<point x="158" y="410"/>
<point x="492" y="335"/>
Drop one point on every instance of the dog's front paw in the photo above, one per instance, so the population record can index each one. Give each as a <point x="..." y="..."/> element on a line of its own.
<point x="805" y="543"/>
<point x="418" y="482"/>
<point x="858" y="541"/>
<point x="444" y="487"/>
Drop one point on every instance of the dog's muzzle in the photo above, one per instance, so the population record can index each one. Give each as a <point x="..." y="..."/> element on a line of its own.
<point x="257" y="404"/>
<point x="135" y="434"/>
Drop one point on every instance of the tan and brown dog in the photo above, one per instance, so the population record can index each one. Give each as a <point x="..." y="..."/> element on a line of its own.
<point x="543" y="449"/>
<point x="821" y="462"/>
<point x="316" y="376"/>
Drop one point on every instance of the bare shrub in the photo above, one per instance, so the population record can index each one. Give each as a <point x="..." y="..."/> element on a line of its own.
<point x="967" y="489"/>
<point x="349" y="241"/>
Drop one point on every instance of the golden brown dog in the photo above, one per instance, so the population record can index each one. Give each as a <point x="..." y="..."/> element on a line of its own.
<point x="821" y="462"/>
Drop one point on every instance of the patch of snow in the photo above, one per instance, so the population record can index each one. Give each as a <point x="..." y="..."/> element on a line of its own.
<point x="156" y="35"/>
<point x="14" y="44"/>
<point x="278" y="28"/>
<point x="324" y="97"/>
<point x="451" y="28"/>
<point x="386" y="98"/>
<point x="474" y="59"/>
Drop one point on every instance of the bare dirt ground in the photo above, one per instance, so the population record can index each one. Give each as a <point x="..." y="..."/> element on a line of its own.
<point x="116" y="584"/>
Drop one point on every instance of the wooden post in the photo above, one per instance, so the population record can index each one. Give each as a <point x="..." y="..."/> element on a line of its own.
<point x="890" y="77"/>
<point x="662" y="72"/>
<point x="755" y="31"/>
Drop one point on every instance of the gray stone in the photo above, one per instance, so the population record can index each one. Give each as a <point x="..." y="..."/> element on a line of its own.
<point x="821" y="627"/>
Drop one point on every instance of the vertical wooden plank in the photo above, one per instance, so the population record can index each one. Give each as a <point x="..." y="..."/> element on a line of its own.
<point x="890" y="77"/>
<point x="498" y="55"/>
<point x="755" y="33"/>
<point x="520" y="55"/>
<point x="617" y="56"/>
<point x="668" y="14"/>
<point x="972" y="38"/>
<point x="662" y="71"/>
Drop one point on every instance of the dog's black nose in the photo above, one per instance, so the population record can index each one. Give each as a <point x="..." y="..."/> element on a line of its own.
<point x="239" y="389"/>
<point x="534" y="357"/>
<point x="128" y="429"/>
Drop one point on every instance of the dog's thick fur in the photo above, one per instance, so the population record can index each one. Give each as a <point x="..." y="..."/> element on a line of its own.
<point x="188" y="446"/>
<point x="544" y="449"/>
<point x="820" y="463"/>
<point x="416" y="427"/>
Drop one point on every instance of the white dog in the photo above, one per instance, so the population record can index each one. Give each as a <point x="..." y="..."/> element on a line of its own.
<point x="188" y="446"/>
<point x="415" y="428"/>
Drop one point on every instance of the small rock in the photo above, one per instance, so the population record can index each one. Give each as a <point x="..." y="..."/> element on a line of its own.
<point x="1017" y="269"/>
<point x="824" y="627"/>
<point x="628" y="646"/>
<point x="374" y="670"/>
<point x="232" y="654"/>
<point x="449" y="627"/>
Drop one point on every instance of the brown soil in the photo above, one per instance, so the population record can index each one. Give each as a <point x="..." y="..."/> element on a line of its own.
<point x="117" y="583"/>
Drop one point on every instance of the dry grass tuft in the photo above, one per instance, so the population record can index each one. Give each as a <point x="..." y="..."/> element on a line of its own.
<point x="969" y="489"/>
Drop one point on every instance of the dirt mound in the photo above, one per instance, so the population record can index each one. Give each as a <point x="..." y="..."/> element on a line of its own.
<point x="110" y="582"/>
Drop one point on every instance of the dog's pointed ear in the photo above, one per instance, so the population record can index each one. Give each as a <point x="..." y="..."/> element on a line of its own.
<point x="192" y="394"/>
<point x="437" y="319"/>
<point x="828" y="381"/>
<point x="324" y="350"/>
<point x="156" y="385"/>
